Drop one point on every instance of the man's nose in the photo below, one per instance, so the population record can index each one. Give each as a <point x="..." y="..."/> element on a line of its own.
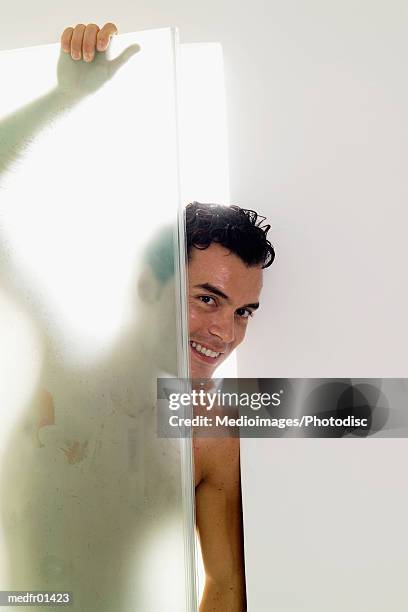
<point x="223" y="327"/>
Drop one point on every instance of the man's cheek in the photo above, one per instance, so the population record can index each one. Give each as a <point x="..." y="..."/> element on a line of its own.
<point x="191" y="309"/>
<point x="194" y="318"/>
<point x="240" y="332"/>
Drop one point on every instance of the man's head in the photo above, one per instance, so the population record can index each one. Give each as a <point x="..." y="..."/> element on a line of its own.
<point x="227" y="251"/>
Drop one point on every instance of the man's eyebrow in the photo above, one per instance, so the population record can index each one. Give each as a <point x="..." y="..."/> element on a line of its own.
<point x="221" y="294"/>
<point x="253" y="306"/>
<point x="212" y="289"/>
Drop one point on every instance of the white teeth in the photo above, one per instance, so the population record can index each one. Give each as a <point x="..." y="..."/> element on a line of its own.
<point x="205" y="351"/>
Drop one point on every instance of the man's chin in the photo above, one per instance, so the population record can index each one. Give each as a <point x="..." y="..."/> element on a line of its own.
<point x="196" y="373"/>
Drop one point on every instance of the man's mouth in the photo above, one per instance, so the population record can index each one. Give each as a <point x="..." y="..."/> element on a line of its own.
<point x="204" y="352"/>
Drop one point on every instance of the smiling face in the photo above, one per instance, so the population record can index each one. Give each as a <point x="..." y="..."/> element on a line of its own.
<point x="223" y="294"/>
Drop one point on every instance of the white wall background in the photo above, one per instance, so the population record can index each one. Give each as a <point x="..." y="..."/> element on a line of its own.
<point x="317" y="98"/>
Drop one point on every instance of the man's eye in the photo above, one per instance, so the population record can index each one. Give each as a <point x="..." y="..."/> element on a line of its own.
<point x="206" y="299"/>
<point x="244" y="313"/>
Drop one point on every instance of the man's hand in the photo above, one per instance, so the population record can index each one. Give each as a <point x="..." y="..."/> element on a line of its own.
<point x="88" y="43"/>
<point x="82" y="41"/>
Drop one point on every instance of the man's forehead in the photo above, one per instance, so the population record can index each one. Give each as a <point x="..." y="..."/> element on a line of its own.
<point x="218" y="267"/>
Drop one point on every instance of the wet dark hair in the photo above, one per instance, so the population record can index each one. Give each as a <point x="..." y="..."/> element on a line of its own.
<point x="239" y="230"/>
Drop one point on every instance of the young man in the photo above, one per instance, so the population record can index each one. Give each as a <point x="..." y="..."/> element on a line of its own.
<point x="227" y="251"/>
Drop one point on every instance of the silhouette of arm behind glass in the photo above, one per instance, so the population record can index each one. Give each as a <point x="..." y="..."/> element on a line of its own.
<point x="76" y="80"/>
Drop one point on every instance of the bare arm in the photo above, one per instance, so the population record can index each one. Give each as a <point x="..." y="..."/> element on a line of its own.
<point x="219" y="523"/>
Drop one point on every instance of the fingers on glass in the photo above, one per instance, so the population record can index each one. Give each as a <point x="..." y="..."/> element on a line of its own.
<point x="83" y="40"/>
<point x="77" y="41"/>
<point x="66" y="38"/>
<point x="89" y="42"/>
<point x="104" y="36"/>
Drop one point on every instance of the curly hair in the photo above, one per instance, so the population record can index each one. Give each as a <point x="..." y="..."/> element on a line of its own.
<point x="239" y="230"/>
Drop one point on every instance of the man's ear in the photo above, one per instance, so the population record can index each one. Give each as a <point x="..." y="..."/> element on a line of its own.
<point x="148" y="286"/>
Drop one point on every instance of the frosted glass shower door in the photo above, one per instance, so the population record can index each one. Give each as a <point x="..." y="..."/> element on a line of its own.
<point x="92" y="501"/>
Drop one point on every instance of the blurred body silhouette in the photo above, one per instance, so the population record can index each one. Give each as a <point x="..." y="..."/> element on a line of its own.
<point x="90" y="495"/>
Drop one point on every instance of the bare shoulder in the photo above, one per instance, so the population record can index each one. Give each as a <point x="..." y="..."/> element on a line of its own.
<point x="216" y="461"/>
